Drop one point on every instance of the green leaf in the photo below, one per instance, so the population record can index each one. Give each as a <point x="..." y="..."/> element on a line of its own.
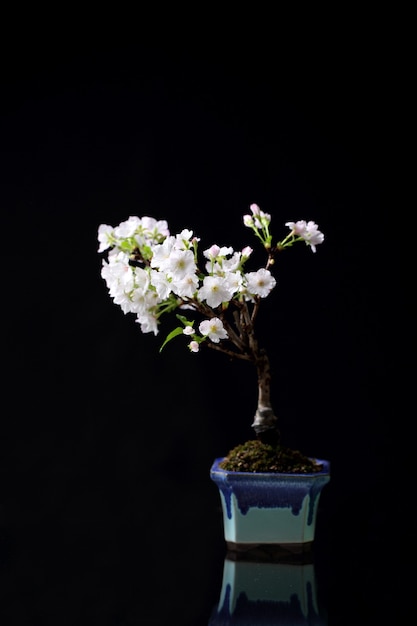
<point x="172" y="334"/>
<point x="184" y="320"/>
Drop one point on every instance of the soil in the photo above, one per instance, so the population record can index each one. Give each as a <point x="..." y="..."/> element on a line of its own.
<point x="256" y="456"/>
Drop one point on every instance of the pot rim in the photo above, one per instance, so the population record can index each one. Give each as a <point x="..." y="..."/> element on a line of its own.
<point x="215" y="469"/>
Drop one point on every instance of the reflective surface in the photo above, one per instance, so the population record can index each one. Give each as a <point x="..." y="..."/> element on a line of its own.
<point x="256" y="591"/>
<point x="109" y="572"/>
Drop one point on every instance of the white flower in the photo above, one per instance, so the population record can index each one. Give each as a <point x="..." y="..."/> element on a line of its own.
<point x="308" y="231"/>
<point x="155" y="228"/>
<point x="124" y="301"/>
<point x="141" y="278"/>
<point x="232" y="264"/>
<point x="194" y="347"/>
<point x="186" y="287"/>
<point x="143" y="303"/>
<point x="148" y="323"/>
<point x="127" y="228"/>
<point x="104" y="236"/>
<point x="215" y="290"/>
<point x="188" y="330"/>
<point x="212" y="252"/>
<point x="297" y="228"/>
<point x="161" y="253"/>
<point x="180" y="264"/>
<point x="234" y="281"/>
<point x="182" y="240"/>
<point x="260" y="283"/>
<point x="215" y="252"/>
<point x="213" y="329"/>
<point x="117" y="272"/>
<point x="162" y="284"/>
<point x="313" y="236"/>
<point x="213" y="269"/>
<point x="260" y="218"/>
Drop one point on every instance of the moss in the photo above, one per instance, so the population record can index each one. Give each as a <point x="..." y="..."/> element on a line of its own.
<point x="255" y="456"/>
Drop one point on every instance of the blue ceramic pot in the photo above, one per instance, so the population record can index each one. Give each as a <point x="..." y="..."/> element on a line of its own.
<point x="269" y="508"/>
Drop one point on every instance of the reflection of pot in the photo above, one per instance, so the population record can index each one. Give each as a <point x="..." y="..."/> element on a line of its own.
<point x="269" y="508"/>
<point x="256" y="593"/>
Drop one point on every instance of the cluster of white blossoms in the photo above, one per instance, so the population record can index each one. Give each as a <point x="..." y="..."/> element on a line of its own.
<point x="150" y="272"/>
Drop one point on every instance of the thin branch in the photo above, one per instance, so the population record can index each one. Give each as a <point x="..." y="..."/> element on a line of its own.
<point x="234" y="337"/>
<point x="233" y="355"/>
<point x="255" y="311"/>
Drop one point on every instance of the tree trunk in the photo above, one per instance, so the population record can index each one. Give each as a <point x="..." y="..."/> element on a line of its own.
<point x="265" y="423"/>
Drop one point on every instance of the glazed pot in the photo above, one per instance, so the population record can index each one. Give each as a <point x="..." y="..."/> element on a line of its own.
<point x="269" y="508"/>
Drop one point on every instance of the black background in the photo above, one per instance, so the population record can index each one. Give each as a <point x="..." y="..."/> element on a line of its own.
<point x="193" y="128"/>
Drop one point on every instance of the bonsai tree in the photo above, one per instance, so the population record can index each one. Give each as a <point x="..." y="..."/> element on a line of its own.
<point x="215" y="301"/>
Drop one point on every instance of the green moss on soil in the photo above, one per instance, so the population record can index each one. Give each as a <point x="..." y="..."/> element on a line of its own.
<point x="255" y="456"/>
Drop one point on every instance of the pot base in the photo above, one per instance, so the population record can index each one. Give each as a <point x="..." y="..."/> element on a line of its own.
<point x="265" y="552"/>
